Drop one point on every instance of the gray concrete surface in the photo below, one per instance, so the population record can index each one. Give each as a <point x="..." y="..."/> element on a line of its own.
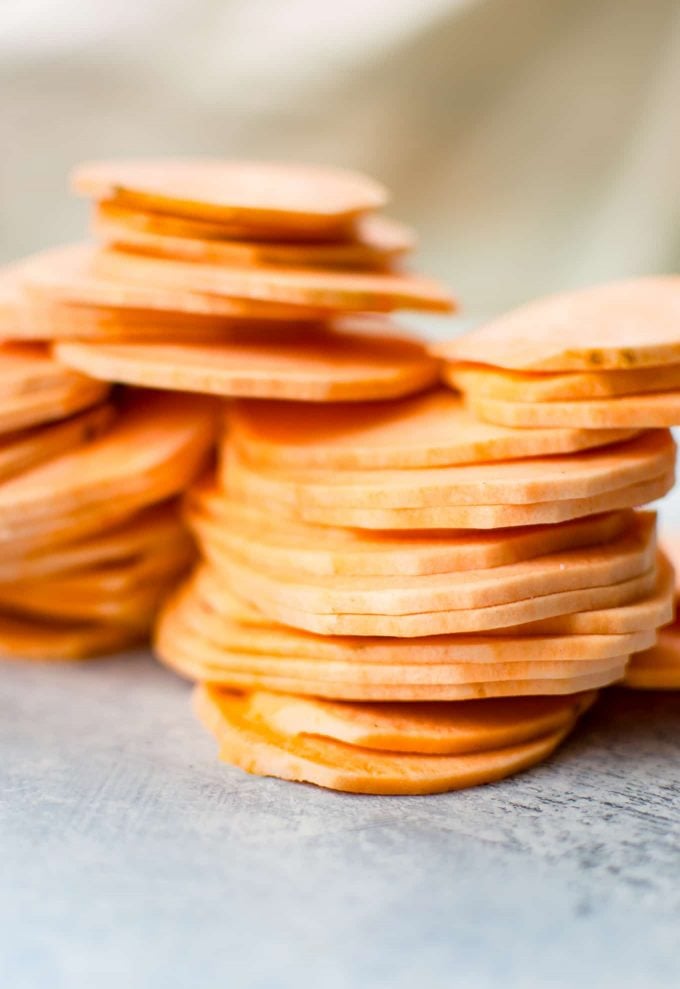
<point x="132" y="858"/>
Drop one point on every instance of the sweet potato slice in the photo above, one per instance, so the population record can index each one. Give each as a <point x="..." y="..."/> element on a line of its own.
<point x="32" y="639"/>
<point x="177" y="642"/>
<point x="521" y="482"/>
<point x="269" y="596"/>
<point x="249" y="743"/>
<point x="22" y="451"/>
<point x="152" y="450"/>
<point x="650" y="411"/>
<point x="628" y="324"/>
<point x="375" y="243"/>
<point x="657" y="668"/>
<point x="67" y="275"/>
<point x="654" y="608"/>
<point x="630" y="555"/>
<point x="152" y="530"/>
<point x="429" y="729"/>
<point x="352" y="364"/>
<point x="471" y="516"/>
<point x="485" y="381"/>
<point x="430" y="430"/>
<point x="262" y="538"/>
<point x="275" y="196"/>
<point x="330" y="291"/>
<point x="240" y="628"/>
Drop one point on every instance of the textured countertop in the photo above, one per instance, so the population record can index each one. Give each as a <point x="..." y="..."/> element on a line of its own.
<point x="131" y="857"/>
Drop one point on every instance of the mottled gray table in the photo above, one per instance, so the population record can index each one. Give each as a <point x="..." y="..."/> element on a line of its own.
<point x="131" y="859"/>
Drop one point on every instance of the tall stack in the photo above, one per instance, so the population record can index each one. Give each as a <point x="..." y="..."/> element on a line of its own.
<point x="371" y="570"/>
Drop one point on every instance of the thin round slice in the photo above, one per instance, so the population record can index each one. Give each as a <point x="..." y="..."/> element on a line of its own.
<point x="520" y="482"/>
<point x="626" y="324"/>
<point x="484" y="381"/>
<point x="648" y="411"/>
<point x="21" y="451"/>
<point x="429" y="729"/>
<point x="327" y="290"/>
<point x="657" y="668"/>
<point x="152" y="450"/>
<point x="476" y="516"/>
<point x="246" y="741"/>
<point x="46" y="641"/>
<point x="269" y="596"/>
<point x="431" y="430"/>
<point x="240" y="628"/>
<point x="629" y="555"/>
<point x="271" y="195"/>
<point x="68" y="275"/>
<point x="260" y="537"/>
<point x="376" y="242"/>
<point x="359" y="361"/>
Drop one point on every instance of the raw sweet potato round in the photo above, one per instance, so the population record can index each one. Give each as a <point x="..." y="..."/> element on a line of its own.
<point x="628" y="324"/>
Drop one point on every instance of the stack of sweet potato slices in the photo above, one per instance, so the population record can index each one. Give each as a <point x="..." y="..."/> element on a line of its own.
<point x="399" y="589"/>
<point x="604" y="357"/>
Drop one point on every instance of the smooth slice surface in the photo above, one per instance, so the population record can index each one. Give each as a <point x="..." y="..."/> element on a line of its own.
<point x="247" y="742"/>
<point x="649" y="411"/>
<point x="629" y="555"/>
<point x="435" y="429"/>
<point x="240" y="628"/>
<point x="520" y="482"/>
<point x="625" y="324"/>
<point x="269" y="195"/>
<point x="68" y="275"/>
<point x="359" y="361"/>
<point x="327" y="291"/>
<point x="485" y="381"/>
<point x="267" y="595"/>
<point x="477" y="516"/>
<point x="376" y="241"/>
<point x="261" y="537"/>
<point x="429" y="729"/>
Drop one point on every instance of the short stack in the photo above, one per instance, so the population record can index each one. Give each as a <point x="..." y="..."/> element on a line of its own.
<point x="603" y="357"/>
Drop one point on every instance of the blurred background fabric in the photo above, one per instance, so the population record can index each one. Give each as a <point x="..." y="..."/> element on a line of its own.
<point x="534" y="144"/>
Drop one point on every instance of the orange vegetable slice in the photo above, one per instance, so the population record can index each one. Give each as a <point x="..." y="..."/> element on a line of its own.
<point x="520" y="482"/>
<point x="629" y="555"/>
<point x="429" y="729"/>
<point x="23" y="450"/>
<point x="239" y="627"/>
<point x="473" y="516"/>
<point x="430" y="430"/>
<point x="484" y="381"/>
<point x="359" y="361"/>
<point x="328" y="291"/>
<point x="248" y="742"/>
<point x="652" y="609"/>
<point x="263" y="538"/>
<point x="274" y="196"/>
<point x="376" y="241"/>
<point x="628" y="324"/>
<point x="45" y="641"/>
<point x="657" y="668"/>
<point x="152" y="530"/>
<point x="153" y="449"/>
<point x="269" y="595"/>
<point x="67" y="275"/>
<point x="649" y="411"/>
